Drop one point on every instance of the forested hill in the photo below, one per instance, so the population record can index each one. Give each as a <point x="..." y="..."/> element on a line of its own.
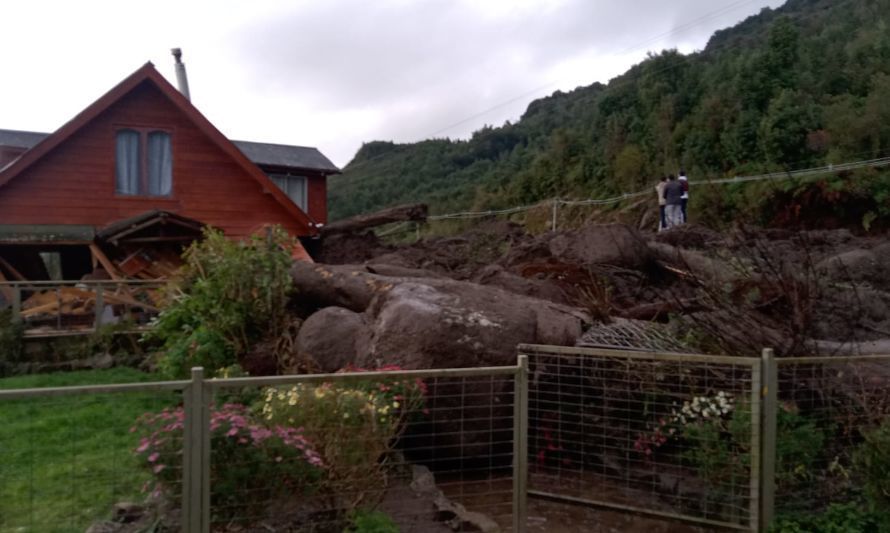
<point x="802" y="85"/>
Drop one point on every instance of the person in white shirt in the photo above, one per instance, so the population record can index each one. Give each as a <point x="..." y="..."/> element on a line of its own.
<point x="659" y="189"/>
<point x="685" y="198"/>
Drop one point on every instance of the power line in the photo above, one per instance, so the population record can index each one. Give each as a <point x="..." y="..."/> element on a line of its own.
<point x="792" y="174"/>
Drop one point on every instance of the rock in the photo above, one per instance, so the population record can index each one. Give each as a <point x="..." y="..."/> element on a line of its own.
<point x="855" y="265"/>
<point x="400" y="271"/>
<point x="689" y="236"/>
<point x="426" y="323"/>
<point x="126" y="512"/>
<point x="454" y="514"/>
<point x="496" y="276"/>
<point x="612" y="244"/>
<point x="332" y="338"/>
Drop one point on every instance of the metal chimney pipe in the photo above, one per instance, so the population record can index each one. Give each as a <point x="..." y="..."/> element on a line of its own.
<point x="181" y="78"/>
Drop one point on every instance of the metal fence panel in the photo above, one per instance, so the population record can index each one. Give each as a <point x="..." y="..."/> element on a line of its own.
<point x="434" y="450"/>
<point x="68" y="457"/>
<point x="827" y="406"/>
<point x="661" y="434"/>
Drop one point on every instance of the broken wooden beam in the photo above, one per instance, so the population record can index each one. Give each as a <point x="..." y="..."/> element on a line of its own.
<point x="402" y="213"/>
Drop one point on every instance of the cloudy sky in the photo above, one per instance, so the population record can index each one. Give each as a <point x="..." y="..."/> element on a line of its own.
<point x="335" y="73"/>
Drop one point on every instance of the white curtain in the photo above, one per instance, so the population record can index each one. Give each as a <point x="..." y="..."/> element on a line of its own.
<point x="295" y="187"/>
<point x="160" y="164"/>
<point x="127" y="162"/>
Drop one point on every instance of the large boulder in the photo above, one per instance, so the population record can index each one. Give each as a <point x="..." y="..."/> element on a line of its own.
<point x="545" y="289"/>
<point x="426" y="323"/>
<point x="852" y="266"/>
<point x="333" y="337"/>
<point x="611" y="244"/>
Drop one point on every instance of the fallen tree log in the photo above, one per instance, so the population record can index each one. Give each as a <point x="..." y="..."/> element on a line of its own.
<point x="402" y="213"/>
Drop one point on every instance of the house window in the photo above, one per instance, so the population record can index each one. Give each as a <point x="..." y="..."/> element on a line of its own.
<point x="143" y="162"/>
<point x="295" y="187"/>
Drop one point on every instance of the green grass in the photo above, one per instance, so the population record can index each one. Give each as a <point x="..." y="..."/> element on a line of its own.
<point x="66" y="460"/>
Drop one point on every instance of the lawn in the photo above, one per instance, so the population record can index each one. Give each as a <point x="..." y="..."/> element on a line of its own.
<point x="66" y="460"/>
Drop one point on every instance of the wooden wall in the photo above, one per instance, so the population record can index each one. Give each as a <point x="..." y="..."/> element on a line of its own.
<point x="74" y="184"/>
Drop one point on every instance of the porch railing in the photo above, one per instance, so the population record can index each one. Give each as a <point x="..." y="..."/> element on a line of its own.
<point x="49" y="308"/>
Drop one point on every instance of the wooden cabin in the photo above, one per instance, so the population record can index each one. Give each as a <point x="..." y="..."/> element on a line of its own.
<point x="142" y="154"/>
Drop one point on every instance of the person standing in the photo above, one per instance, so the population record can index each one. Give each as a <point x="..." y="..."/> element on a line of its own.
<point x="685" y="198"/>
<point x="659" y="189"/>
<point x="673" y="194"/>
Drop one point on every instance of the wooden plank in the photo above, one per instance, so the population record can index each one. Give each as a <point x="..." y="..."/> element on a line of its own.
<point x="6" y="289"/>
<point x="106" y="264"/>
<point x="12" y="271"/>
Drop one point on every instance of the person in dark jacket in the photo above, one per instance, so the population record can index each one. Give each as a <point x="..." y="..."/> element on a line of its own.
<point x="673" y="195"/>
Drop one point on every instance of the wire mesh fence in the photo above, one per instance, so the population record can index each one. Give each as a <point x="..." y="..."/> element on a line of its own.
<point x="422" y="450"/>
<point x="67" y="456"/>
<point x="660" y="433"/>
<point x="829" y="417"/>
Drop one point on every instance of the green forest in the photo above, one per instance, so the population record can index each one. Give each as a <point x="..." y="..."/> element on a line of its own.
<point x="803" y="85"/>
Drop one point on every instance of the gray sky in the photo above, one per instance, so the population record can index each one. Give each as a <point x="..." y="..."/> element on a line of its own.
<point x="335" y="73"/>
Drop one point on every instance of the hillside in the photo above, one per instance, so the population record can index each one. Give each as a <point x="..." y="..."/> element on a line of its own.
<point x="803" y="85"/>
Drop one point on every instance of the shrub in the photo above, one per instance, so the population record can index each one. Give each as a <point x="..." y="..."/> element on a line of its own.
<point x="227" y="296"/>
<point x="249" y="462"/>
<point x="372" y="522"/>
<point x="11" y="339"/>
<point x="838" y="518"/>
<point x="872" y="462"/>
<point x="352" y="426"/>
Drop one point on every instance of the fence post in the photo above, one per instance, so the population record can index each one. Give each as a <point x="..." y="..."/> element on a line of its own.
<point x="520" y="445"/>
<point x="99" y="305"/>
<point x="770" y="403"/>
<point x="16" y="303"/>
<point x="195" y="457"/>
<point x="555" y="212"/>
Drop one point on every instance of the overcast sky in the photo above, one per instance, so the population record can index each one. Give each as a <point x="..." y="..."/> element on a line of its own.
<point x="336" y="73"/>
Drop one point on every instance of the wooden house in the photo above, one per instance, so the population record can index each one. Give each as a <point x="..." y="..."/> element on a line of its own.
<point x="139" y="169"/>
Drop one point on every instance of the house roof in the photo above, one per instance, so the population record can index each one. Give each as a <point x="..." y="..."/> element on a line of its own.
<point x="121" y="228"/>
<point x="20" y="139"/>
<point x="283" y="155"/>
<point x="279" y="155"/>
<point x="148" y="74"/>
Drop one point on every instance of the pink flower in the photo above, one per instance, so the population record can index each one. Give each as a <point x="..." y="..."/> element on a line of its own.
<point x="158" y="468"/>
<point x="153" y="457"/>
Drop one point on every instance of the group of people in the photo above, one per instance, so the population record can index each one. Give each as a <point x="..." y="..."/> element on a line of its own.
<point x="673" y="195"/>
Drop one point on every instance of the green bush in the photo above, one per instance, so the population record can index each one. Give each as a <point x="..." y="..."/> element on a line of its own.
<point x="11" y="338"/>
<point x="228" y="296"/>
<point x="838" y="518"/>
<point x="872" y="463"/>
<point x="372" y="522"/>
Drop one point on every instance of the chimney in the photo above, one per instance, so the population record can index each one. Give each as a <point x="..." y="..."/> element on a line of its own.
<point x="181" y="79"/>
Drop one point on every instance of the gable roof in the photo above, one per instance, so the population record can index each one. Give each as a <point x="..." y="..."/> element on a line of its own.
<point x="282" y="155"/>
<point x="277" y="155"/>
<point x="20" y="139"/>
<point x="147" y="73"/>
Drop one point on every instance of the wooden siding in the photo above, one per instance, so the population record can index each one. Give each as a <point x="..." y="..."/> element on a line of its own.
<point x="75" y="183"/>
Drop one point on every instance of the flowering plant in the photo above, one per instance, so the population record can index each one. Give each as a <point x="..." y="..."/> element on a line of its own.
<point x="699" y="409"/>
<point x="249" y="462"/>
<point x="352" y="425"/>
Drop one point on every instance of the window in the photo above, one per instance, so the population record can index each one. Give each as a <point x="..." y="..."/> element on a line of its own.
<point x="293" y="186"/>
<point x="143" y="162"/>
